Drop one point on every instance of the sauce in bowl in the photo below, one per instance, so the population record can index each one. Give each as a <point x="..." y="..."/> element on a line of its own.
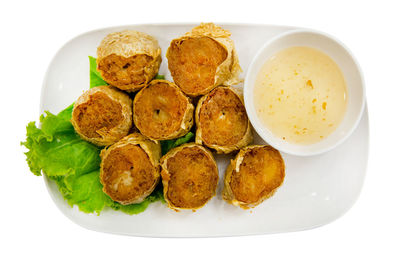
<point x="300" y="95"/>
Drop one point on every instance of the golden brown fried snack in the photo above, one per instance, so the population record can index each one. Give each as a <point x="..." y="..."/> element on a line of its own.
<point x="222" y="122"/>
<point x="129" y="59"/>
<point x="203" y="59"/>
<point x="190" y="175"/>
<point x="129" y="169"/>
<point x="161" y="111"/>
<point x="102" y="115"/>
<point x="253" y="176"/>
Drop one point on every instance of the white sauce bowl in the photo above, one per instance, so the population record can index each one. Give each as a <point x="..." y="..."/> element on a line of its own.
<point x="351" y="72"/>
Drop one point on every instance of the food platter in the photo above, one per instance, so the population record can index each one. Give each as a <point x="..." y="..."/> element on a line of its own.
<point x="316" y="191"/>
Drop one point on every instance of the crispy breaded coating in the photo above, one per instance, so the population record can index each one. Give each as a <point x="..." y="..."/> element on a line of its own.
<point x="222" y="122"/>
<point x="161" y="111"/>
<point x="253" y="176"/>
<point x="189" y="175"/>
<point x="129" y="59"/>
<point x="102" y="115"/>
<point x="193" y="63"/>
<point x="129" y="169"/>
<point x="203" y="59"/>
<point x="122" y="72"/>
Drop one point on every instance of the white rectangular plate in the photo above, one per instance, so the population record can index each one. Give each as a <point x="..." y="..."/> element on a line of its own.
<point x="316" y="191"/>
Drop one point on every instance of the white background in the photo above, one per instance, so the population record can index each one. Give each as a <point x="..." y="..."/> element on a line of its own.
<point x="33" y="230"/>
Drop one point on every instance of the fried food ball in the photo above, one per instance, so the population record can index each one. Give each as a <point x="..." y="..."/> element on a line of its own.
<point x="189" y="175"/>
<point x="102" y="115"/>
<point x="203" y="59"/>
<point x="129" y="59"/>
<point x="161" y="111"/>
<point x="129" y="169"/>
<point x="222" y="122"/>
<point x="253" y="176"/>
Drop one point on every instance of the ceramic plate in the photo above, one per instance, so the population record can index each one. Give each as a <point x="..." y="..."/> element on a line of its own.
<point x="316" y="191"/>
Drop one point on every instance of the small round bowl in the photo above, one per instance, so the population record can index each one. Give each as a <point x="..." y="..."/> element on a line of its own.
<point x="351" y="72"/>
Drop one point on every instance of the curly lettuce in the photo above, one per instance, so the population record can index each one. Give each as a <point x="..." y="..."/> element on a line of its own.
<point x="57" y="151"/>
<point x="95" y="77"/>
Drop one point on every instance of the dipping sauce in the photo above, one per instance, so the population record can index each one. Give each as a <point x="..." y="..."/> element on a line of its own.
<point x="300" y="95"/>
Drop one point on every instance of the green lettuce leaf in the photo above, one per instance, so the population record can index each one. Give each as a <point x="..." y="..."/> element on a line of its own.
<point x="159" y="77"/>
<point x="170" y="144"/>
<point x="95" y="77"/>
<point x="87" y="192"/>
<point x="156" y="195"/>
<point x="57" y="151"/>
